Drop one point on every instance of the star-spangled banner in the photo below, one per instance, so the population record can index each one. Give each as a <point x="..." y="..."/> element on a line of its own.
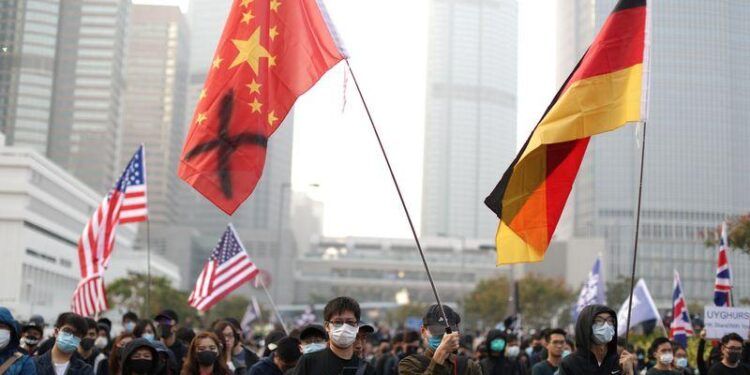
<point x="270" y="53"/>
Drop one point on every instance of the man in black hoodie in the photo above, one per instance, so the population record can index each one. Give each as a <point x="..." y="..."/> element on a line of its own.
<point x="596" y="340"/>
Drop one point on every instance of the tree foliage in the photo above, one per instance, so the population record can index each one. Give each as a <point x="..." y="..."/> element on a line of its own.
<point x="542" y="298"/>
<point x="738" y="231"/>
<point x="398" y="316"/>
<point x="487" y="304"/>
<point x="618" y="291"/>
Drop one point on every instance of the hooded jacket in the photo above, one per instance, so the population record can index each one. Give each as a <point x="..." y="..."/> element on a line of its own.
<point x="583" y="361"/>
<point x="265" y="367"/>
<point x="24" y="365"/>
<point x="131" y="348"/>
<point x="499" y="365"/>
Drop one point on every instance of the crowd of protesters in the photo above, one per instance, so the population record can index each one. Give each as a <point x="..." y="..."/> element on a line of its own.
<point x="345" y="345"/>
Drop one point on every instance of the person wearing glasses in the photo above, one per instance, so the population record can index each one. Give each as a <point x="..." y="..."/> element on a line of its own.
<point x="596" y="340"/>
<point x="341" y="316"/>
<point x="555" y="339"/>
<point x="70" y="329"/>
<point x="441" y="347"/>
<point x="731" y="354"/>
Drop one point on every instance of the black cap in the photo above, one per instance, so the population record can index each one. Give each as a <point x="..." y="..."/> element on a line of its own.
<point x="366" y="328"/>
<point x="104" y="322"/>
<point x="35" y="322"/>
<point x="167" y="315"/>
<point x="272" y="338"/>
<point x="313" y="330"/>
<point x="434" y="320"/>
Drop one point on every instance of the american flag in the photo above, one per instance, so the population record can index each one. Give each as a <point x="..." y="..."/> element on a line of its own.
<point x="681" y="327"/>
<point x="125" y="203"/>
<point x="723" y="286"/>
<point x="227" y="268"/>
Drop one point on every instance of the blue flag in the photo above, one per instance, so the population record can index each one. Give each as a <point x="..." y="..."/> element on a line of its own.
<point x="592" y="291"/>
<point x="644" y="309"/>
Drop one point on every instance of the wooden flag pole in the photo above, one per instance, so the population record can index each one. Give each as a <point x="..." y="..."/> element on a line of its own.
<point x="637" y="231"/>
<point x="401" y="197"/>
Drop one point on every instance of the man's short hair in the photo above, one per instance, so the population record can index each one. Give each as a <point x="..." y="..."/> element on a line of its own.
<point x="339" y="305"/>
<point x="91" y="324"/>
<point x="74" y="320"/>
<point x="411" y="336"/>
<point x="554" y="331"/>
<point x="570" y="343"/>
<point x="731" y="337"/>
<point x="130" y="316"/>
<point x="287" y="349"/>
<point x="657" y="343"/>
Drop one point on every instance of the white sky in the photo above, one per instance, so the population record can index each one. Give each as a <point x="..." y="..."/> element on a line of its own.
<point x="387" y="42"/>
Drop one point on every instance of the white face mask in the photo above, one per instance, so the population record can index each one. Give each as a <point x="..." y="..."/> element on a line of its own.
<point x="4" y="338"/>
<point x="666" y="358"/>
<point x="512" y="351"/>
<point x="101" y="342"/>
<point x="344" y="336"/>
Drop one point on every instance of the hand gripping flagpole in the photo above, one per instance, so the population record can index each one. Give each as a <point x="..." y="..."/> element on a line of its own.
<point x="401" y="197"/>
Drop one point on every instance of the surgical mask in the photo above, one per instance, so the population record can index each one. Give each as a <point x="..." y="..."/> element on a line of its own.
<point x="129" y="327"/>
<point x="313" y="347"/>
<point x="529" y="351"/>
<point x="435" y="341"/>
<point x="206" y="358"/>
<point x="512" y="351"/>
<point x="148" y="336"/>
<point x="565" y="353"/>
<point x="733" y="357"/>
<point x="603" y="333"/>
<point x="4" y="338"/>
<point x="666" y="358"/>
<point x="497" y="345"/>
<point x="101" y="342"/>
<point x="67" y="342"/>
<point x="140" y="366"/>
<point x="31" y="340"/>
<point x="681" y="362"/>
<point x="344" y="335"/>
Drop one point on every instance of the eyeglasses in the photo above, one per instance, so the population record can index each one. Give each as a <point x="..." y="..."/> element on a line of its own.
<point x="734" y="348"/>
<point x="610" y="321"/>
<point x="339" y="323"/>
<point x="560" y="342"/>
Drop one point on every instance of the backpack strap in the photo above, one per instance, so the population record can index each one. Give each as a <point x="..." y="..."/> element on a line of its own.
<point x="9" y="362"/>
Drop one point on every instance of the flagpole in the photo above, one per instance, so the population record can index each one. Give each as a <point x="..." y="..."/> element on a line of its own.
<point x="148" y="268"/>
<point x="637" y="232"/>
<point x="273" y="305"/>
<point x="401" y="197"/>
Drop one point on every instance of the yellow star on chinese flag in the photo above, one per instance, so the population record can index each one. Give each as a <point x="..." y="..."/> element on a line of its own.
<point x="254" y="87"/>
<point x="275" y="5"/>
<point x="250" y="51"/>
<point x="272" y="118"/>
<point x="246" y="3"/>
<point x="256" y="105"/>
<point x="272" y="33"/>
<point x="217" y="62"/>
<point x="201" y="117"/>
<point x="271" y="61"/>
<point x="246" y="17"/>
<point x="203" y="94"/>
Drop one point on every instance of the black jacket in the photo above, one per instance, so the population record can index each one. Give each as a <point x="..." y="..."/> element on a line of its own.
<point x="131" y="348"/>
<point x="499" y="365"/>
<point x="583" y="361"/>
<point x="44" y="366"/>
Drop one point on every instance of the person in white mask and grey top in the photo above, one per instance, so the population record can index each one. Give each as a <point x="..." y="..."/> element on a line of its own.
<point x="596" y="340"/>
<point x="342" y="317"/>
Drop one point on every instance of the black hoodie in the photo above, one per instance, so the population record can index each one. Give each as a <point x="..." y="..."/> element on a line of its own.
<point x="499" y="364"/>
<point x="583" y="361"/>
<point x="131" y="348"/>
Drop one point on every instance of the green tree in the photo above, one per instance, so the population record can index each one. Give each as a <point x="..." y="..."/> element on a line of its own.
<point x="618" y="291"/>
<point x="738" y="231"/>
<point x="487" y="304"/>
<point x="398" y="316"/>
<point x="130" y="293"/>
<point x="542" y="298"/>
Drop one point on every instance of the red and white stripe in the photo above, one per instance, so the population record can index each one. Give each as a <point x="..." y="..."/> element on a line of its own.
<point x="134" y="206"/>
<point x="90" y="296"/>
<point x="216" y="281"/>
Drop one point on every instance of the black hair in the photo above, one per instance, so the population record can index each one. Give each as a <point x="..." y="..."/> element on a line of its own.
<point x="731" y="337"/>
<point x="411" y="336"/>
<point x="140" y="328"/>
<point x="570" y="343"/>
<point x="92" y="324"/>
<point x="130" y="316"/>
<point x="397" y="338"/>
<point x="287" y="349"/>
<point x="340" y="304"/>
<point x="554" y="331"/>
<point x="656" y="343"/>
<point x="74" y="320"/>
<point x="185" y="334"/>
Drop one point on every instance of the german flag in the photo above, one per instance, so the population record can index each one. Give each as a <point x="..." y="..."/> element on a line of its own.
<point x="605" y="91"/>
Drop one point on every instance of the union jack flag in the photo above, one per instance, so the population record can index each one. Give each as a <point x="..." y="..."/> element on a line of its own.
<point x="681" y="327"/>
<point x="227" y="268"/>
<point x="723" y="286"/>
<point x="125" y="203"/>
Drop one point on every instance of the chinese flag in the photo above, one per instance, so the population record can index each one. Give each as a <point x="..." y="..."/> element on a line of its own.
<point x="271" y="52"/>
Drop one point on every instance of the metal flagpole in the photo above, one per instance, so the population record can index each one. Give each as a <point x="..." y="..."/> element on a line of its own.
<point x="273" y="305"/>
<point x="401" y="197"/>
<point x="637" y="231"/>
<point x="148" y="268"/>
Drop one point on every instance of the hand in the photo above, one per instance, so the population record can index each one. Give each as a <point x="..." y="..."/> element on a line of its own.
<point x="448" y="345"/>
<point x="703" y="334"/>
<point x="628" y="362"/>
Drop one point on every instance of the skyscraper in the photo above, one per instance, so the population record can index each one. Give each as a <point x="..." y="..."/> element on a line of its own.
<point x="28" y="43"/>
<point x="696" y="136"/>
<point x="88" y="87"/>
<point x="470" y="132"/>
<point x="154" y="108"/>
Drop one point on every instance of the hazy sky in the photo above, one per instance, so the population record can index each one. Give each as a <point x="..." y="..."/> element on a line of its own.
<point x="334" y="146"/>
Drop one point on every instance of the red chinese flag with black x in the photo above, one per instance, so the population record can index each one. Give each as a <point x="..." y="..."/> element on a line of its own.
<point x="271" y="52"/>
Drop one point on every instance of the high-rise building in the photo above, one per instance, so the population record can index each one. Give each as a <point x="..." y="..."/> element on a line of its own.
<point x="154" y="108"/>
<point x="28" y="44"/>
<point x="88" y="89"/>
<point x="470" y="132"/>
<point x="697" y="135"/>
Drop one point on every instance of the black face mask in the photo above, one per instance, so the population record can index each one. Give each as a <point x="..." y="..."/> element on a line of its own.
<point x="165" y="331"/>
<point x="87" y="344"/>
<point x="140" y="366"/>
<point x="733" y="357"/>
<point x="206" y="358"/>
<point x="537" y="348"/>
<point x="411" y="350"/>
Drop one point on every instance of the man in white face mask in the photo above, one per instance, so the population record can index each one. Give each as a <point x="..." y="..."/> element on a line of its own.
<point x="341" y="316"/>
